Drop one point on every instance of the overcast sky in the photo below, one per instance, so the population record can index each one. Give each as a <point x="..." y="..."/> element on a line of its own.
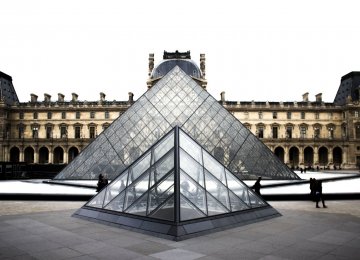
<point x="255" y="50"/>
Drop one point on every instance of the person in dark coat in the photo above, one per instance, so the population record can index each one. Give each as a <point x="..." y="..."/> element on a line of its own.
<point x="257" y="186"/>
<point x="318" y="194"/>
<point x="101" y="182"/>
<point x="312" y="188"/>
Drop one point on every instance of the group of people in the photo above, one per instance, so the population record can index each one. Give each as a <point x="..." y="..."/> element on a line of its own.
<point x="316" y="192"/>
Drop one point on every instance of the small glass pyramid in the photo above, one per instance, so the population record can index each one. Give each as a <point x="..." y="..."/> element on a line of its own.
<point x="176" y="181"/>
<point x="176" y="100"/>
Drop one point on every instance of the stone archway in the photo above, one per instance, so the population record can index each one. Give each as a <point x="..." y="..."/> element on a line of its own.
<point x="337" y="156"/>
<point x="29" y="155"/>
<point x="280" y="153"/>
<point x="308" y="156"/>
<point x="58" y="155"/>
<point x="43" y="155"/>
<point x="323" y="156"/>
<point x="73" y="152"/>
<point x="14" y="154"/>
<point x="294" y="156"/>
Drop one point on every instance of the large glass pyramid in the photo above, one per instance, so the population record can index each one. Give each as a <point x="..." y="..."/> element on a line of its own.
<point x="176" y="189"/>
<point x="176" y="99"/>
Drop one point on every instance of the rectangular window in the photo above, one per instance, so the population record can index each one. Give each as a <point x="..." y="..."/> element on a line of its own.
<point x="21" y="131"/>
<point x="35" y="132"/>
<point x="356" y="113"/>
<point x="317" y="132"/>
<point x="246" y="115"/>
<point x="260" y="132"/>
<point x="260" y="115"/>
<point x="302" y="132"/>
<point x="274" y="115"/>
<point x="63" y="115"/>
<point x="92" y="131"/>
<point x="92" y="114"/>
<point x="357" y="132"/>
<point x="48" y="132"/>
<point x="63" y="132"/>
<point x="288" y="115"/>
<point x="289" y="132"/>
<point x="317" y="115"/>
<point x="21" y="115"/>
<point x="302" y="115"/>
<point x="49" y="115"/>
<point x="35" y="115"/>
<point x="77" y="115"/>
<point x="107" y="115"/>
<point x="77" y="132"/>
<point x="275" y="132"/>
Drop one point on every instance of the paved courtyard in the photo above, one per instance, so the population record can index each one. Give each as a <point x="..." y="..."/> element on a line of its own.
<point x="46" y="230"/>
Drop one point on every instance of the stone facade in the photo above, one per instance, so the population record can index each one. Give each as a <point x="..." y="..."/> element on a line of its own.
<point x="302" y="134"/>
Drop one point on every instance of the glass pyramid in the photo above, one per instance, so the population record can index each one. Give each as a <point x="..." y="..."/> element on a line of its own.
<point x="173" y="183"/>
<point x="176" y="99"/>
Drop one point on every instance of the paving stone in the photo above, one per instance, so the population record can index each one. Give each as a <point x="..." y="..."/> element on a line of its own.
<point x="177" y="254"/>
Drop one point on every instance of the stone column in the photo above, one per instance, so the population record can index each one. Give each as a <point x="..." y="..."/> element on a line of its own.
<point x="51" y="155"/>
<point x="330" y="155"/>
<point x="36" y="154"/>
<point x="21" y="156"/>
<point x="316" y="155"/>
<point x="301" y="155"/>
<point x="286" y="155"/>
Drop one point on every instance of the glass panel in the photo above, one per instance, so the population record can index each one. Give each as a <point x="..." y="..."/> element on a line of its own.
<point x="135" y="190"/>
<point x="255" y="201"/>
<point x="236" y="203"/>
<point x="191" y="167"/>
<point x="139" y="207"/>
<point x="139" y="168"/>
<point x="214" y="206"/>
<point x="166" y="211"/>
<point x="116" y="187"/>
<point x="236" y="186"/>
<point x="161" y="192"/>
<point x="190" y="147"/>
<point x="165" y="165"/>
<point x="193" y="192"/>
<point x="214" y="167"/>
<point x="98" y="200"/>
<point x="217" y="189"/>
<point x="189" y="211"/>
<point x="117" y="204"/>
<point x="164" y="147"/>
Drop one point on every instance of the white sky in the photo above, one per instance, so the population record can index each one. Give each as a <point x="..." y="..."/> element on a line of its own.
<point x="255" y="50"/>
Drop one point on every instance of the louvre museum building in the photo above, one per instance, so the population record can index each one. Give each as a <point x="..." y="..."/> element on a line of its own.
<point x="301" y="134"/>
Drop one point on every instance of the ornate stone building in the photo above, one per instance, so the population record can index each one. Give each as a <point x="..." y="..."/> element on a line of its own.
<point x="302" y="134"/>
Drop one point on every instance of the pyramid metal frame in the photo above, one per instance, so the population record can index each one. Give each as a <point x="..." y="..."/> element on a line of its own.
<point x="176" y="99"/>
<point x="176" y="190"/>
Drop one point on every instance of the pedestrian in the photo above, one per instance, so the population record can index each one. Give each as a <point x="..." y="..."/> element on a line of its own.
<point x="102" y="182"/>
<point x="319" y="194"/>
<point x="312" y="189"/>
<point x="257" y="186"/>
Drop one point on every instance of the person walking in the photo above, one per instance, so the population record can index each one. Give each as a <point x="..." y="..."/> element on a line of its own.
<point x="318" y="194"/>
<point x="257" y="186"/>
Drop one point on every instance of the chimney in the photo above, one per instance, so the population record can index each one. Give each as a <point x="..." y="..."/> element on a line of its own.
<point x="33" y="98"/>
<point x="306" y="97"/>
<point x="61" y="97"/>
<point x="202" y="65"/>
<point x="74" y="97"/>
<point x="102" y="96"/>
<point x="151" y="63"/>
<point x="131" y="97"/>
<point x="318" y="97"/>
<point x="47" y="97"/>
<point x="222" y="95"/>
